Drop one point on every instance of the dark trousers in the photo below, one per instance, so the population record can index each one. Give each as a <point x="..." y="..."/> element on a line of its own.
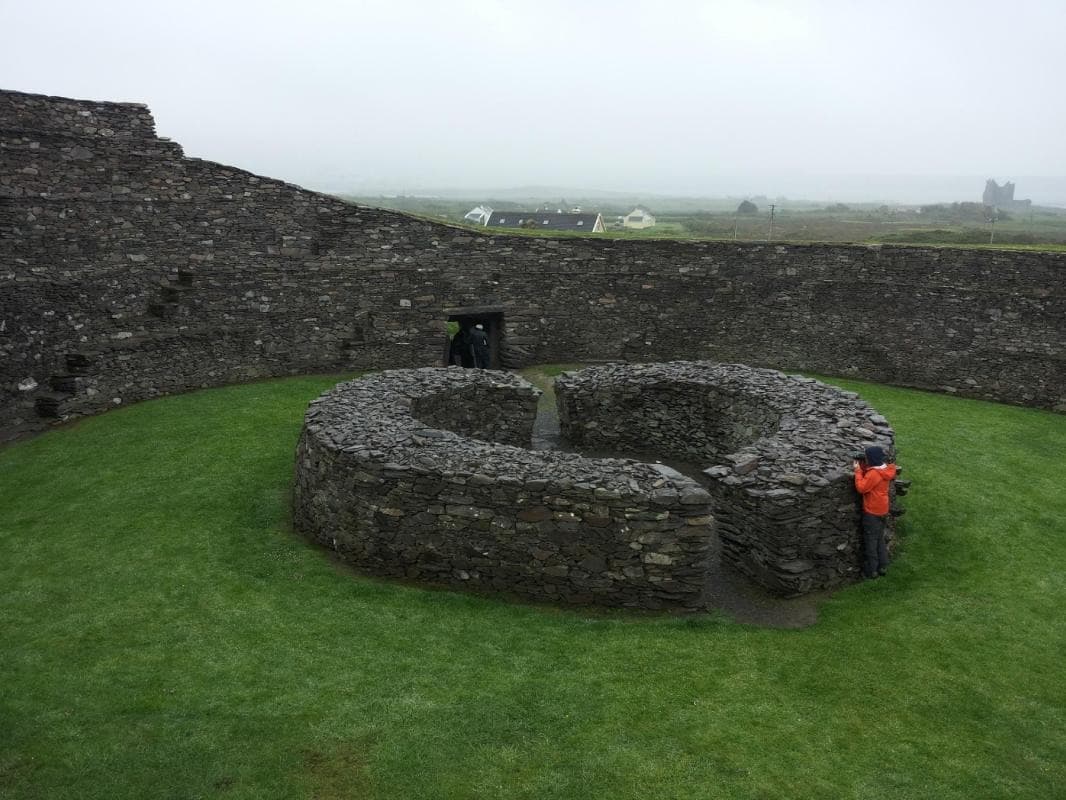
<point x="874" y="547"/>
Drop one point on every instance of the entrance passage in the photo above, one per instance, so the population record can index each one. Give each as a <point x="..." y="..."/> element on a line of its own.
<point x="462" y="320"/>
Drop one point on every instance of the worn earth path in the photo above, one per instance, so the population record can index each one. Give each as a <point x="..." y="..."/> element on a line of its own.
<point x="727" y="591"/>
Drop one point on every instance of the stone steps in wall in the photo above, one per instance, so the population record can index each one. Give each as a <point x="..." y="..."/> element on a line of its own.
<point x="67" y="384"/>
<point x="80" y="363"/>
<point x="68" y="397"/>
<point x="53" y="405"/>
<point x="65" y="387"/>
<point x="133" y="342"/>
<point x="163" y="310"/>
<point x="170" y="294"/>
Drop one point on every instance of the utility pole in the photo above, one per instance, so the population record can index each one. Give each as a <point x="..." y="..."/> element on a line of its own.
<point x="735" y="224"/>
<point x="771" y="236"/>
<point x="992" y="228"/>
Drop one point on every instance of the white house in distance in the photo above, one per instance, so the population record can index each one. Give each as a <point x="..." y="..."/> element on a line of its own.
<point x="638" y="218"/>
<point x="478" y="216"/>
<point x="547" y="221"/>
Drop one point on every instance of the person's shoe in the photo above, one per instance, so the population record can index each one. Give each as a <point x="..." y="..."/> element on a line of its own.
<point x="882" y="572"/>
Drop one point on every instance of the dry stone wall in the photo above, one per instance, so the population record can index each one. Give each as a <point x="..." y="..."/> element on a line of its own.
<point x="776" y="451"/>
<point x="128" y="270"/>
<point x="405" y="474"/>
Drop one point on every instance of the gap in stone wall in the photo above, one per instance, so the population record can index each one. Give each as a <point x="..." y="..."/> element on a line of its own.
<point x="491" y="318"/>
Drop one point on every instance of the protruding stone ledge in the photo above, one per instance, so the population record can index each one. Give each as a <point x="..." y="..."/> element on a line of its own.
<point x="416" y="474"/>
<point x="776" y="450"/>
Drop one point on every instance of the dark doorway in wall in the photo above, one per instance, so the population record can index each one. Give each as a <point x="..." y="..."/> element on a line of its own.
<point x="491" y="317"/>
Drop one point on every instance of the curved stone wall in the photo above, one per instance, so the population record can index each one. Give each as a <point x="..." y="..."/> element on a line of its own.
<point x="128" y="270"/>
<point x="776" y="450"/>
<point x="403" y="473"/>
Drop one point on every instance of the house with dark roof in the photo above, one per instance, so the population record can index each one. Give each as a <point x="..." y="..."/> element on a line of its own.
<point x="546" y="221"/>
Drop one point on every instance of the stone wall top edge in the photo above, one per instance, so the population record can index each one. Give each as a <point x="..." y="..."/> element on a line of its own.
<point x="73" y="100"/>
<point x="649" y="245"/>
<point x="370" y="420"/>
<point x="825" y="424"/>
<point x="49" y="134"/>
<point x="700" y="372"/>
<point x="489" y="236"/>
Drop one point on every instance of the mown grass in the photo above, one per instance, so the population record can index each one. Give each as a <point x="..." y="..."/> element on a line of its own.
<point x="165" y="635"/>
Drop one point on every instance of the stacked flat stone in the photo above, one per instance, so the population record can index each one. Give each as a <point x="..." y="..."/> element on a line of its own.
<point x="418" y="474"/>
<point x="776" y="451"/>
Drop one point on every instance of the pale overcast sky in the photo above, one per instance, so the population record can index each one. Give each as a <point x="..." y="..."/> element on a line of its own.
<point x="823" y="98"/>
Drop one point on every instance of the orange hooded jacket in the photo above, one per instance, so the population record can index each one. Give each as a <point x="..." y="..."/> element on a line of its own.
<point x="872" y="483"/>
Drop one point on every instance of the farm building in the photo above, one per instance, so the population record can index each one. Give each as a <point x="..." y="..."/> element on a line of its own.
<point x="479" y="215"/>
<point x="638" y="218"/>
<point x="547" y="221"/>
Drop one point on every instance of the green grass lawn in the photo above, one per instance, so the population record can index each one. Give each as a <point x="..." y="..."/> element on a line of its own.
<point x="165" y="635"/>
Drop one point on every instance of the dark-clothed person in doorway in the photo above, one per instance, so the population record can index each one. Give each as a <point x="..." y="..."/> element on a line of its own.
<point x="479" y="346"/>
<point x="460" y="352"/>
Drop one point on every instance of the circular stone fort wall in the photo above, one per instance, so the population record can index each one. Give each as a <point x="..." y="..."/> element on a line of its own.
<point x="420" y="474"/>
<point x="775" y="449"/>
<point x="425" y="474"/>
<point x="128" y="271"/>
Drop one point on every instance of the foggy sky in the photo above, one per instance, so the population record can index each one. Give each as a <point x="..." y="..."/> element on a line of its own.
<point x="798" y="97"/>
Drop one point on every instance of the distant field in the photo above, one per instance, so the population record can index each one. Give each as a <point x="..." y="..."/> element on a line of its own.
<point x="1042" y="228"/>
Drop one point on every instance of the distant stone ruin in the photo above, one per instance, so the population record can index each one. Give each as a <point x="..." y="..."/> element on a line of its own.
<point x="425" y="474"/>
<point x="1002" y="196"/>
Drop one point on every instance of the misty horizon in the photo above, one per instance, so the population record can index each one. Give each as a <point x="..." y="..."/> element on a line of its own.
<point x="825" y="101"/>
<point x="1044" y="191"/>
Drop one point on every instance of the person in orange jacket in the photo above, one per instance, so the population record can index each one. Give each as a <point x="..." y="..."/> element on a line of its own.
<point x="872" y="481"/>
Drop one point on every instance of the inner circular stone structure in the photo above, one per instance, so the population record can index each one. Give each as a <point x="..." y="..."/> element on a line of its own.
<point x="775" y="451"/>
<point x="425" y="474"/>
